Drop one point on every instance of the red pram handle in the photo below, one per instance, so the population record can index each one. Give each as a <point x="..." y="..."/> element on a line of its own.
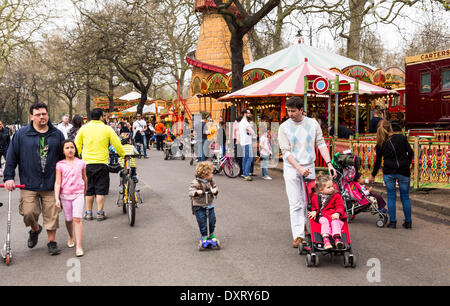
<point x="17" y="186"/>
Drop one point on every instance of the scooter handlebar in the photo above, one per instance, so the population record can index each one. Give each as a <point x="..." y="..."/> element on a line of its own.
<point x="17" y="186"/>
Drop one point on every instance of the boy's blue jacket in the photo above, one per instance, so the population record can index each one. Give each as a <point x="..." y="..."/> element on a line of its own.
<point x="24" y="151"/>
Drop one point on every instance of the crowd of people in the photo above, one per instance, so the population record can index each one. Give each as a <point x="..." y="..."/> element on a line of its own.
<point x="65" y="167"/>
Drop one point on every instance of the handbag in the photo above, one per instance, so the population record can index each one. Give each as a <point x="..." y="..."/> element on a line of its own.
<point x="138" y="137"/>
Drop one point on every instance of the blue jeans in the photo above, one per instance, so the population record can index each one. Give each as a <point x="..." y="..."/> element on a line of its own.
<point x="203" y="150"/>
<point x="200" y="214"/>
<point x="247" y="159"/>
<point x="144" y="145"/>
<point x="264" y="162"/>
<point x="404" y="185"/>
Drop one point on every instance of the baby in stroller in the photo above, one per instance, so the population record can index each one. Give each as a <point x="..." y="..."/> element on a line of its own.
<point x="357" y="197"/>
<point x="328" y="208"/>
<point x="368" y="192"/>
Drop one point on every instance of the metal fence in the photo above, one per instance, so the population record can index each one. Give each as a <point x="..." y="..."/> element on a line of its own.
<point x="429" y="168"/>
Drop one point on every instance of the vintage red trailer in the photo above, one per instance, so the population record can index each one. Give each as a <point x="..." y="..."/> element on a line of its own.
<point x="428" y="90"/>
<point x="397" y="107"/>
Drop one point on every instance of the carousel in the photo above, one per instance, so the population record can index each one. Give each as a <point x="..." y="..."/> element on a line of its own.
<point x="327" y="94"/>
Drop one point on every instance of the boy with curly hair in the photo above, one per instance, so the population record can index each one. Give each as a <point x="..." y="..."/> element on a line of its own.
<point x="204" y="182"/>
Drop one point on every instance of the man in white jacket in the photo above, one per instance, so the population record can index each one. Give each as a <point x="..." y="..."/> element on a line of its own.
<point x="65" y="126"/>
<point x="298" y="137"/>
<point x="246" y="134"/>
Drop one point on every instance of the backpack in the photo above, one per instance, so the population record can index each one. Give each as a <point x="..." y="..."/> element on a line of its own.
<point x="346" y="160"/>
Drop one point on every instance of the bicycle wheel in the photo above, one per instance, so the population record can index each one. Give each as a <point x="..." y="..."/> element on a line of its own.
<point x="124" y="196"/>
<point x="131" y="202"/>
<point x="231" y="168"/>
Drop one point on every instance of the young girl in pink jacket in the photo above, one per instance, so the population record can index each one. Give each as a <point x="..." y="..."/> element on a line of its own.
<point x="328" y="207"/>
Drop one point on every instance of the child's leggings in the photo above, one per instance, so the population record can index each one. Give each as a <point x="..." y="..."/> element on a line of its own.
<point x="336" y="226"/>
<point x="73" y="205"/>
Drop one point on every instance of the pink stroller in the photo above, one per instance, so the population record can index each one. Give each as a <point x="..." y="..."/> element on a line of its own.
<point x="356" y="199"/>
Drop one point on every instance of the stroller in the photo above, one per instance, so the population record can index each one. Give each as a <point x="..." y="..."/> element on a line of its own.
<point x="173" y="149"/>
<point x="314" y="243"/>
<point x="356" y="200"/>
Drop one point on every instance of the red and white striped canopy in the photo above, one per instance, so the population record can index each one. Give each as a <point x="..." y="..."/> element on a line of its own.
<point x="292" y="83"/>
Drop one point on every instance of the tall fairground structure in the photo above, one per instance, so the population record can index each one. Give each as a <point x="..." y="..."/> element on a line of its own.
<point x="211" y="62"/>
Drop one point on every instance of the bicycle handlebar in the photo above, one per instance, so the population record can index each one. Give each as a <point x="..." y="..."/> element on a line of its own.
<point x="133" y="156"/>
<point x="127" y="156"/>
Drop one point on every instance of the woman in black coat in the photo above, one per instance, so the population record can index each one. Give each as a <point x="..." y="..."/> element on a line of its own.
<point x="397" y="154"/>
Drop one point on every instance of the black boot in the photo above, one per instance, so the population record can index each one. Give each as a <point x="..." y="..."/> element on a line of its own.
<point x="33" y="237"/>
<point x="392" y="224"/>
<point x="407" y="224"/>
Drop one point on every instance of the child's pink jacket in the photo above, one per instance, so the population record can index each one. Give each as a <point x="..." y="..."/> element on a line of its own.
<point x="335" y="205"/>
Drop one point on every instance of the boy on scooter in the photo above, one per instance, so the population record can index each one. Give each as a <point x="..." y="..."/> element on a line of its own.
<point x="202" y="191"/>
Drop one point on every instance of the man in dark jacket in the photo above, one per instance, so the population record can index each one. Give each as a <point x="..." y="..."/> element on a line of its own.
<point x="35" y="148"/>
<point x="4" y="143"/>
<point x="377" y="117"/>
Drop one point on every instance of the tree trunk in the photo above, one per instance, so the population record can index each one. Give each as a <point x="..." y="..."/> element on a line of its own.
<point x="276" y="40"/>
<point x="70" y="108"/>
<point x="354" y="35"/>
<point x="142" y="101"/>
<point x="237" y="60"/>
<point x="88" y="100"/>
<point x="111" y="95"/>
<point x="111" y="89"/>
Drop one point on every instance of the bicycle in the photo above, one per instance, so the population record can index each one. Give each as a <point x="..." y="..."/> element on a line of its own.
<point x="230" y="168"/>
<point x="129" y="197"/>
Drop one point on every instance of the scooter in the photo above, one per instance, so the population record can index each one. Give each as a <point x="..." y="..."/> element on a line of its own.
<point x="208" y="243"/>
<point x="6" y="251"/>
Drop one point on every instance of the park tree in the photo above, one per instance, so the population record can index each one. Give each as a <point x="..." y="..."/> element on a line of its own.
<point x="20" y="20"/>
<point x="431" y="33"/>
<point x="67" y="78"/>
<point x="99" y="76"/>
<point x="347" y="19"/>
<point x="121" y="34"/>
<point x="267" y="36"/>
<point x="179" y="26"/>
<point x="240" y="21"/>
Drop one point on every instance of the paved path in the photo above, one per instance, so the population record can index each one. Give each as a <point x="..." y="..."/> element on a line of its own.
<point x="252" y="224"/>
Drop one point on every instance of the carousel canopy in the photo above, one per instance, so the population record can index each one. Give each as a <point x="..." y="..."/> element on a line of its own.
<point x="132" y="96"/>
<point x="146" y="110"/>
<point x="291" y="82"/>
<point x="294" y="55"/>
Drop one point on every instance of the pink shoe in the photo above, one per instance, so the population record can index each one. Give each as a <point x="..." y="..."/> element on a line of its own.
<point x="339" y="244"/>
<point x="326" y="243"/>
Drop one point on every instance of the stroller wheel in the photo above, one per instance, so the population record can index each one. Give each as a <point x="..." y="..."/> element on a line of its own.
<point x="349" y="260"/>
<point x="312" y="260"/>
<point x="301" y="249"/>
<point x="380" y="223"/>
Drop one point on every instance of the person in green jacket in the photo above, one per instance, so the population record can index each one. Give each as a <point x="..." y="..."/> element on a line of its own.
<point x="92" y="142"/>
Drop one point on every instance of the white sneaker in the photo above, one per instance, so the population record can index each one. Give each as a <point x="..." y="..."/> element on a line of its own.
<point x="267" y="177"/>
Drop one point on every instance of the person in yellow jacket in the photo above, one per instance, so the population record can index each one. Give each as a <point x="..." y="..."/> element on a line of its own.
<point x="129" y="150"/>
<point x="92" y="142"/>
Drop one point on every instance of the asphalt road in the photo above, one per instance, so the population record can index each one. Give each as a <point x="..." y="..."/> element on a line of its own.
<point x="253" y="226"/>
